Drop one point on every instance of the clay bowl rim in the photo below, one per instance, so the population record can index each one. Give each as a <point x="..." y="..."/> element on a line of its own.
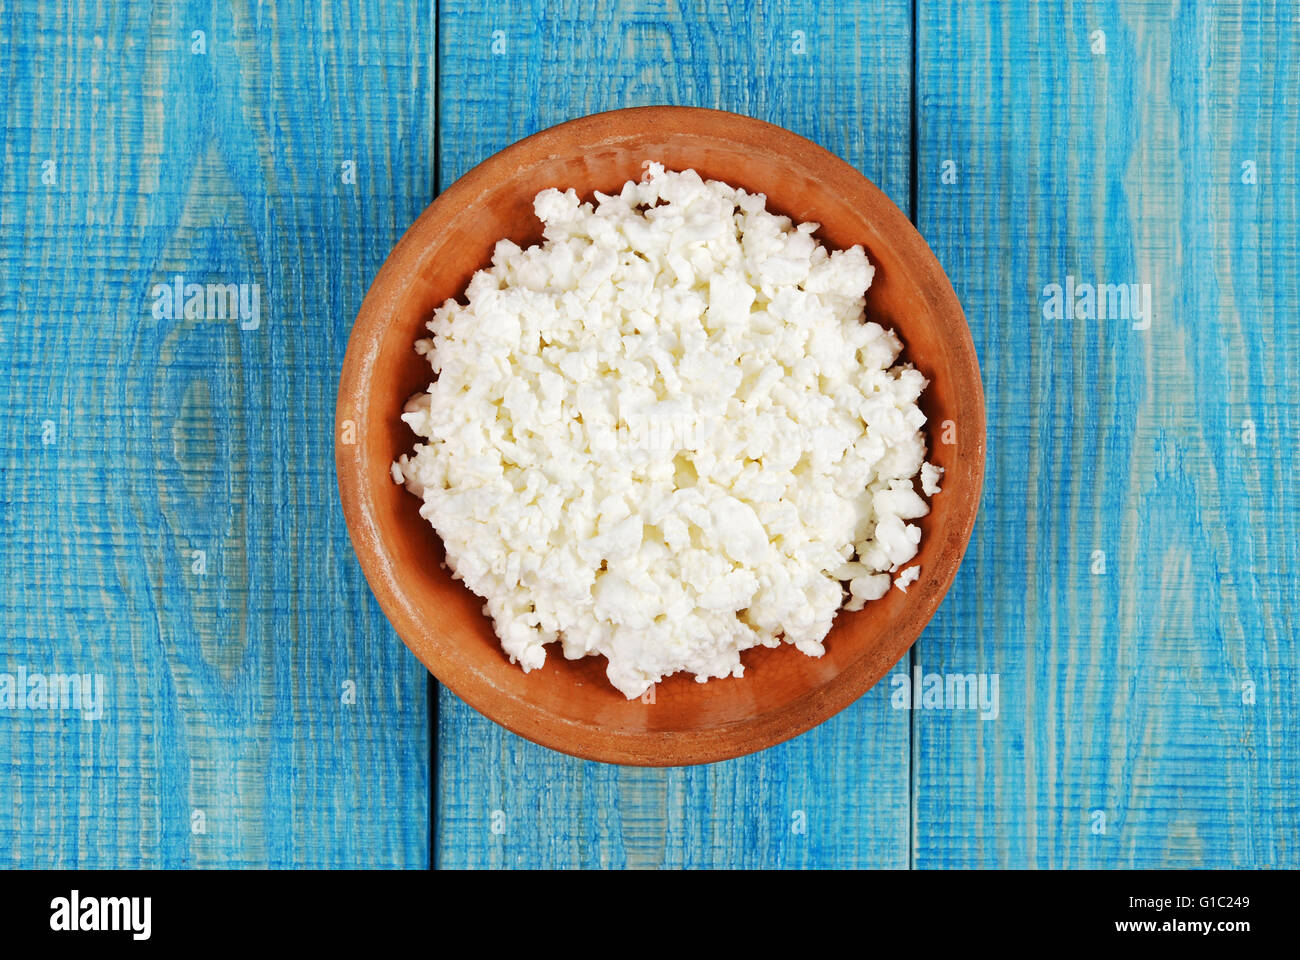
<point x="567" y="735"/>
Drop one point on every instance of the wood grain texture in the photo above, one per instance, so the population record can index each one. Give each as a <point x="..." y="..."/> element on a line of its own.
<point x="225" y="680"/>
<point x="1159" y="692"/>
<point x="1125" y="692"/>
<point x="837" y="795"/>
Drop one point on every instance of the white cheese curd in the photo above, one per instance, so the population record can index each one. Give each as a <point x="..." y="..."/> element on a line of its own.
<point x="907" y="577"/>
<point x="665" y="434"/>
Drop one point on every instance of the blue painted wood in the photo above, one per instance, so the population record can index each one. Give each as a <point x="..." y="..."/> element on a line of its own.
<point x="838" y="795"/>
<point x="1133" y="576"/>
<point x="137" y="150"/>
<point x="1131" y="583"/>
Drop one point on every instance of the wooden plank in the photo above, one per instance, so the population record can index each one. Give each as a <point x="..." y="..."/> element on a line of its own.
<point x="168" y="488"/>
<point x="1129" y="732"/>
<point x="506" y="71"/>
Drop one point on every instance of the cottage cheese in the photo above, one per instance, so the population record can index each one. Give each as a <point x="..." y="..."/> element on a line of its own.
<point x="666" y="434"/>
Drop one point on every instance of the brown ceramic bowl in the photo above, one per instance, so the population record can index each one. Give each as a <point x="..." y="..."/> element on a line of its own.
<point x="569" y="705"/>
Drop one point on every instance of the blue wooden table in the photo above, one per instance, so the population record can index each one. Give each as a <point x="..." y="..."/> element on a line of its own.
<point x="193" y="200"/>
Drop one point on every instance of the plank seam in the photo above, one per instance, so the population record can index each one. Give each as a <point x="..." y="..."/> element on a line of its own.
<point x="435" y="9"/>
<point x="913" y="194"/>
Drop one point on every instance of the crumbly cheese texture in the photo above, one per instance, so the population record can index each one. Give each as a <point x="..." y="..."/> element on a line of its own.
<point x="666" y="434"/>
